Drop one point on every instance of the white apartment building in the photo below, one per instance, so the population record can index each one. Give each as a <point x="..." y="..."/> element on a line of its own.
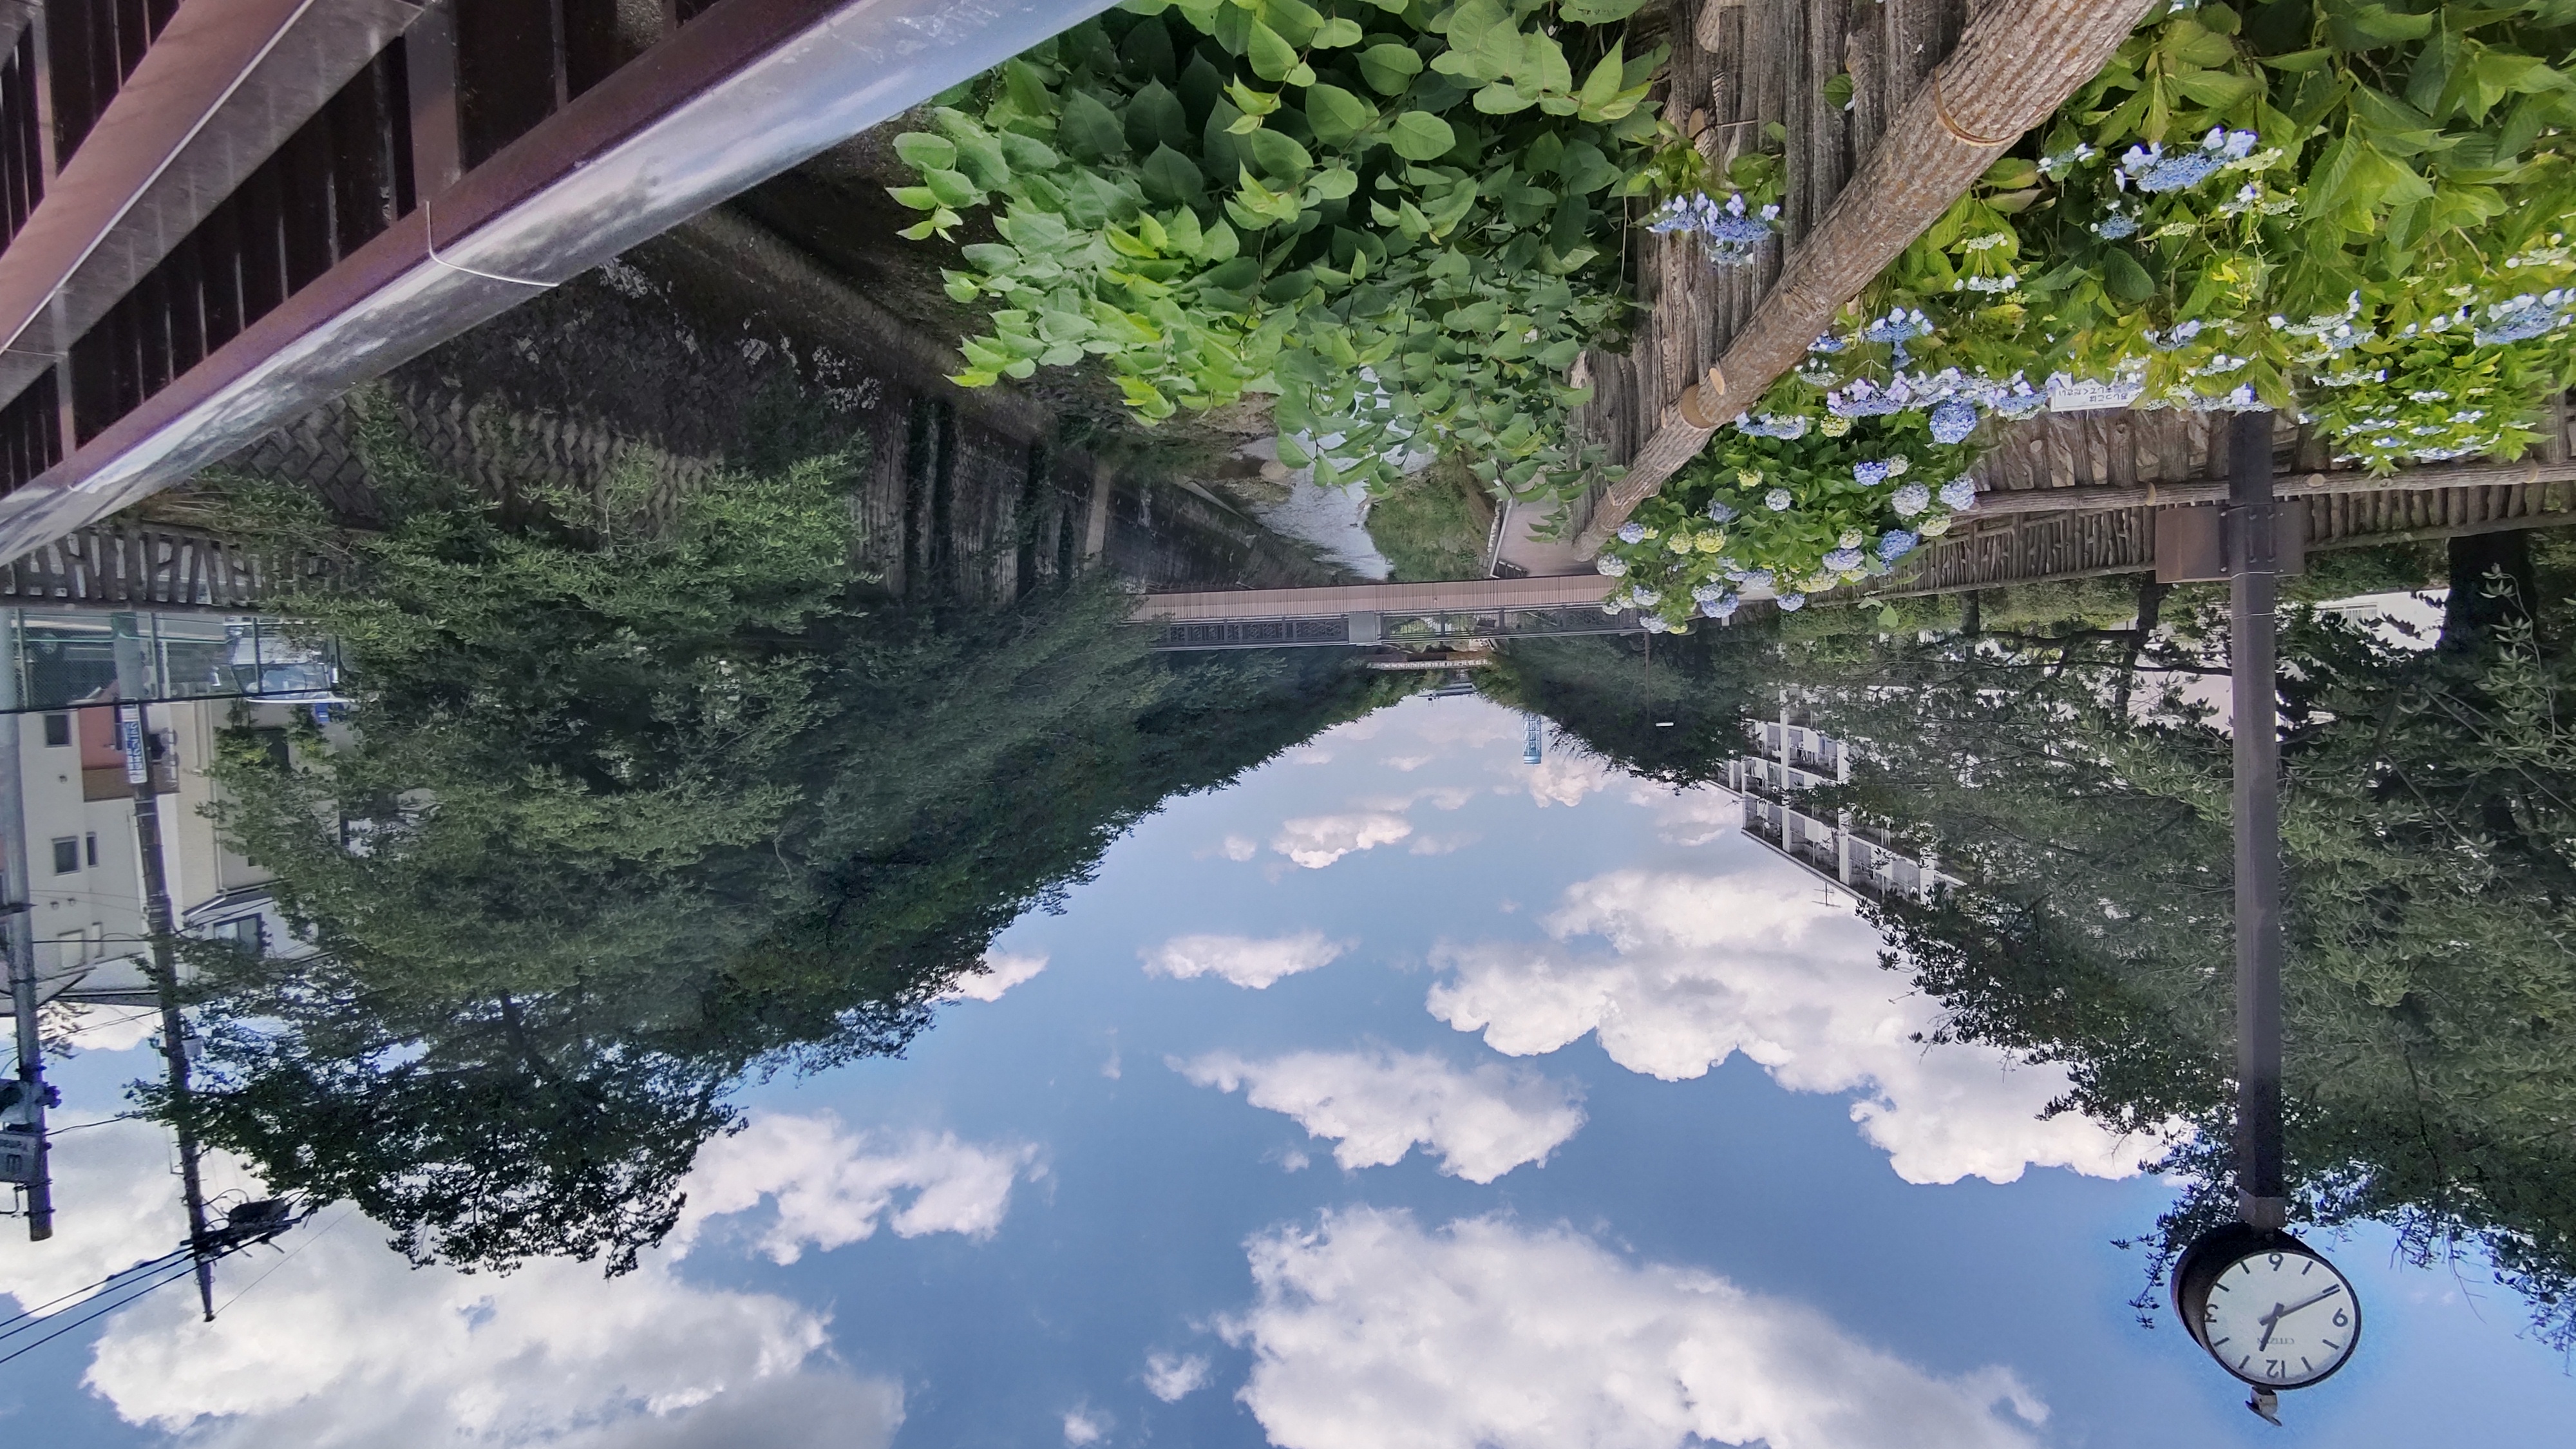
<point x="1791" y="757"/>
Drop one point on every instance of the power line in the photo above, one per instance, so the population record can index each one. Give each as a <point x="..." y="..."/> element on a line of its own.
<point x="179" y="1274"/>
<point x="142" y="1267"/>
<point x="300" y="1245"/>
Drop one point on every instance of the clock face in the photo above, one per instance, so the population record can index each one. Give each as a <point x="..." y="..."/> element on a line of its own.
<point x="2280" y="1318"/>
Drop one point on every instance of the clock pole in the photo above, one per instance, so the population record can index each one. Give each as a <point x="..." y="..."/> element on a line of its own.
<point x="2253" y="575"/>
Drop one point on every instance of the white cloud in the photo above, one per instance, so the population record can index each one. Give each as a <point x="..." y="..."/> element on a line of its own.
<point x="1442" y="844"/>
<point x="1083" y="1426"/>
<point x="1439" y="797"/>
<point x="833" y="1186"/>
<point x="1244" y="960"/>
<point x="1694" y="816"/>
<point x="1235" y="847"/>
<point x="1377" y="1105"/>
<point x="1173" y="1377"/>
<point x="1372" y="1334"/>
<point x="1563" y="778"/>
<point x="345" y="1346"/>
<point x="1002" y="971"/>
<point x="1702" y="967"/>
<point x="1316" y="841"/>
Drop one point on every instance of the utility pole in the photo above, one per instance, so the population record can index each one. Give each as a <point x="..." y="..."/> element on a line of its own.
<point x="2252" y="533"/>
<point x="25" y="1156"/>
<point x="134" y="686"/>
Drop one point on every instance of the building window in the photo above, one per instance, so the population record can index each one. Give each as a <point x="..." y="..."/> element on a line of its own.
<point x="92" y="843"/>
<point x="245" y="932"/>
<point x="58" y="731"/>
<point x="67" y="855"/>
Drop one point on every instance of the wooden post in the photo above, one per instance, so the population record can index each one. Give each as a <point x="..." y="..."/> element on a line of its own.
<point x="2015" y="66"/>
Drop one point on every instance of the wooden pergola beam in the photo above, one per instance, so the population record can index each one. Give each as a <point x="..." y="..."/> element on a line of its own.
<point x="2016" y="64"/>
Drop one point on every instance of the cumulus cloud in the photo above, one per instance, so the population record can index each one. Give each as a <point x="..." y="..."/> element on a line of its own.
<point x="1694" y="816"/>
<point x="1377" y="1105"/>
<point x="1316" y="841"/>
<point x="1234" y="847"/>
<point x="345" y="1346"/>
<point x="1702" y="967"/>
<point x="1373" y="1334"/>
<point x="1084" y="1426"/>
<point x="1244" y="960"/>
<point x="1002" y="971"/>
<point x="1563" y="778"/>
<point x="833" y="1186"/>
<point x="1174" y="1377"/>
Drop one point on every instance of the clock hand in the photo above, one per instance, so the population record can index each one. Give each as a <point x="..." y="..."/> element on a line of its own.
<point x="2270" y="1321"/>
<point x="2309" y="1301"/>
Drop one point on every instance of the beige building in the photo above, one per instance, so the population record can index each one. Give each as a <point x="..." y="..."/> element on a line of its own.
<point x="1791" y="757"/>
<point x="83" y="869"/>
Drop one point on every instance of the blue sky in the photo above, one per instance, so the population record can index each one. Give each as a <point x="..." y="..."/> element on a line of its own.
<point x="1401" y="1094"/>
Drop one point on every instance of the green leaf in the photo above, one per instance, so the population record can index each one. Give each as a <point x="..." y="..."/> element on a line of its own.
<point x="2126" y="279"/>
<point x="1389" y="68"/>
<point x="1838" y="90"/>
<point x="1502" y="99"/>
<point x="1088" y="131"/>
<point x="953" y="188"/>
<point x="1155" y="118"/>
<point x="1336" y="114"/>
<point x="2217" y="89"/>
<point x="1421" y="136"/>
<point x="1279" y="157"/>
<point x="1332" y="184"/>
<point x="924" y="152"/>
<point x="1272" y="57"/>
<point x="1169" y="176"/>
<point x="1337" y="34"/>
<point x="1598" y="12"/>
<point x="2299" y="60"/>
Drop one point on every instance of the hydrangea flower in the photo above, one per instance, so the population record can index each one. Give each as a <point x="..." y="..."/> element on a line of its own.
<point x="1953" y="419"/>
<point x="1866" y="399"/>
<point x="1642" y="597"/>
<point x="2520" y="319"/>
<point x="1718" y="512"/>
<point x="1843" y="560"/>
<point x="1897" y="463"/>
<point x="1756" y="579"/>
<point x="1899" y="325"/>
<point x="1895" y="544"/>
<point x="1728" y="232"/>
<point x="1834" y="426"/>
<point x="1910" y="500"/>
<point x="1792" y="603"/>
<point x="2154" y="171"/>
<point x="1708" y="593"/>
<point x="1935" y="526"/>
<point x="1771" y="426"/>
<point x="1959" y="494"/>
<point x="1851" y="538"/>
<point x="1778" y="500"/>
<point x="1612" y="565"/>
<point x="1721" y="607"/>
<point x="1828" y="344"/>
<point x="1871" y="474"/>
<point x="2180" y="336"/>
<point x="1654" y="624"/>
<point x="1632" y="533"/>
<point x="1681" y="543"/>
<point x="2115" y="226"/>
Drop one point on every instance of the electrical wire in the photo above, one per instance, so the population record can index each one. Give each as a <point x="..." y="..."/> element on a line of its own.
<point x="145" y="1266"/>
<point x="300" y="1245"/>
<point x="181" y="1274"/>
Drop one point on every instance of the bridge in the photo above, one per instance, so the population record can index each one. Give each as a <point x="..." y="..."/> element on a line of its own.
<point x="1428" y="614"/>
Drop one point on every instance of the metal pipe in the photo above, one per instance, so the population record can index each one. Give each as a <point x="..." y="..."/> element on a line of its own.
<point x="2253" y="584"/>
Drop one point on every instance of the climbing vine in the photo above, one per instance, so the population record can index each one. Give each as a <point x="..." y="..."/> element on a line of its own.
<point x="1399" y="221"/>
<point x="2354" y="209"/>
<point x="1781" y="506"/>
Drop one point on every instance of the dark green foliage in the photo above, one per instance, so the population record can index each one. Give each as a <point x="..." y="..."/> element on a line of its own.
<point x="635" y="807"/>
<point x="2430" y="856"/>
<point x="1431" y="525"/>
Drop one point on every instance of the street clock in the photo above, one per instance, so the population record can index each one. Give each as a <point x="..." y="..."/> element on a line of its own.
<point x="2269" y="1308"/>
